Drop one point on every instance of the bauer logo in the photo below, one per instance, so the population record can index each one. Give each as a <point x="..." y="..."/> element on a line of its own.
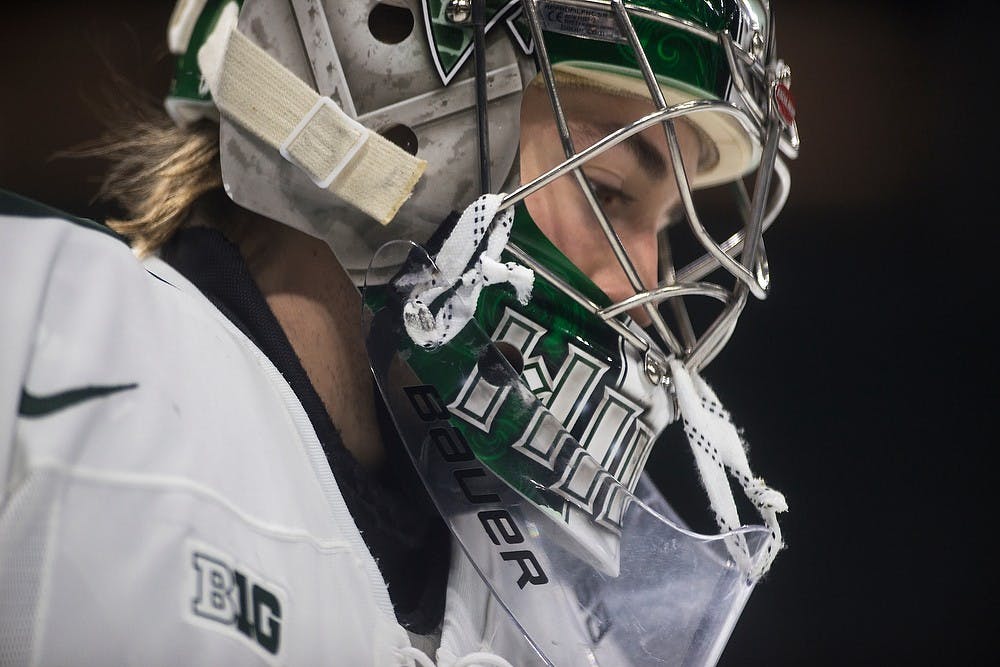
<point x="231" y="599"/>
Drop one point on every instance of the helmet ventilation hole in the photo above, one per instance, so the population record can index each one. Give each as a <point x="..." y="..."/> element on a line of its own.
<point x="390" y="24"/>
<point x="511" y="354"/>
<point x="492" y="369"/>
<point x="402" y="136"/>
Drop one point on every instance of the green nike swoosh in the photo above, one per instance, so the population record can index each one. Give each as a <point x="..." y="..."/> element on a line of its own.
<point x="40" y="406"/>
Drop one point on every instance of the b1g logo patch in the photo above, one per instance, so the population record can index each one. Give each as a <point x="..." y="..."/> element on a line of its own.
<point x="228" y="598"/>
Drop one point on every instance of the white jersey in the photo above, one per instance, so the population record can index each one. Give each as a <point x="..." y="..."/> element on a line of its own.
<point x="164" y="499"/>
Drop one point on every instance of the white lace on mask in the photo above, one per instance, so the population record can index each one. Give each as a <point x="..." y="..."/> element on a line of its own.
<point x="719" y="452"/>
<point x="469" y="259"/>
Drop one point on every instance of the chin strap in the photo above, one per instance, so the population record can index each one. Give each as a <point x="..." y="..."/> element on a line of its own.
<point x="468" y="260"/>
<point x="718" y="449"/>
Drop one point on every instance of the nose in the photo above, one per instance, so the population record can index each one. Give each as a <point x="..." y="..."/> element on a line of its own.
<point x="612" y="277"/>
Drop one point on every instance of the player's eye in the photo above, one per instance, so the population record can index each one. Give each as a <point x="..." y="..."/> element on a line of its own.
<point x="610" y="197"/>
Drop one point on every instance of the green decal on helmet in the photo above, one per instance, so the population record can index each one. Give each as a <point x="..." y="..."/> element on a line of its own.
<point x="449" y="29"/>
<point x="188" y="83"/>
<point x="675" y="55"/>
<point x="572" y="368"/>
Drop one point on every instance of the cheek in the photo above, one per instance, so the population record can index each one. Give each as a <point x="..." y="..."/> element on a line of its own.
<point x="566" y="218"/>
<point x="562" y="213"/>
<point x="641" y="247"/>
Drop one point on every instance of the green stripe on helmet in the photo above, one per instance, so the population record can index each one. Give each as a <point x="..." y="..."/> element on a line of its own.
<point x="674" y="54"/>
<point x="188" y="82"/>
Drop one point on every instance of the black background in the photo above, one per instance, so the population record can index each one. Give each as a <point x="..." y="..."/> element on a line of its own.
<point x="864" y="383"/>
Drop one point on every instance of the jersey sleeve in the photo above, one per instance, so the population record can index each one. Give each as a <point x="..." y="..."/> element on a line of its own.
<point x="31" y="238"/>
<point x="165" y="500"/>
<point x="33" y="242"/>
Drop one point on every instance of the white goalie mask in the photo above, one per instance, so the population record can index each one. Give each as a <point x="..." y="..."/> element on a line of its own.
<point x="372" y="60"/>
<point x="527" y="397"/>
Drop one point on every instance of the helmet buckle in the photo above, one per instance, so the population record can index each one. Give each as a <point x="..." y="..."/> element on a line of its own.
<point x="656" y="370"/>
<point x="459" y="11"/>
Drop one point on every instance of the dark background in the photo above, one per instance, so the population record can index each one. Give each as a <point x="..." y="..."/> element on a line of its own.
<point x="863" y="383"/>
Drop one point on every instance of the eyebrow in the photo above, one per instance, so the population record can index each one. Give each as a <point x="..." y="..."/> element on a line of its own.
<point x="650" y="160"/>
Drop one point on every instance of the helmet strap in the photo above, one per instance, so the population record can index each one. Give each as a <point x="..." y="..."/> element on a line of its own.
<point x="361" y="167"/>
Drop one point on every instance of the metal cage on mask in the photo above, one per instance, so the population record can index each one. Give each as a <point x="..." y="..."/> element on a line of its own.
<point x="763" y="107"/>
<point x="754" y="95"/>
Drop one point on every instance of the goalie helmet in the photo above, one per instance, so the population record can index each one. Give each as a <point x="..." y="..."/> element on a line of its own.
<point x="403" y="71"/>
<point x="374" y="61"/>
<point x="364" y="123"/>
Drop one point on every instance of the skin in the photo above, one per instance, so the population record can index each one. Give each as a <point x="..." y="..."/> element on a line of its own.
<point x="634" y="183"/>
<point x="311" y="294"/>
<point x="319" y="309"/>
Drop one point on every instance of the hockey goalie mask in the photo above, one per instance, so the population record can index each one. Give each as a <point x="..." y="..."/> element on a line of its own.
<point x="373" y="117"/>
<point x="527" y="390"/>
<point x="339" y="117"/>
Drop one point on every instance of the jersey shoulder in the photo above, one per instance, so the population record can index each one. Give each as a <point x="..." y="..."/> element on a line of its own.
<point x="13" y="205"/>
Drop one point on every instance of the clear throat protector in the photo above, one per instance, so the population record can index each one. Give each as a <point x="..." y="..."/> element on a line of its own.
<point x="580" y="566"/>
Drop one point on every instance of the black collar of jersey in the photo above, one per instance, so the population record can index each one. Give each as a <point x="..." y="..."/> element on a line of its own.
<point x="391" y="509"/>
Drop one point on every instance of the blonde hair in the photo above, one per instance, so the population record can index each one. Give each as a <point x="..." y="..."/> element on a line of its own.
<point x="158" y="171"/>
